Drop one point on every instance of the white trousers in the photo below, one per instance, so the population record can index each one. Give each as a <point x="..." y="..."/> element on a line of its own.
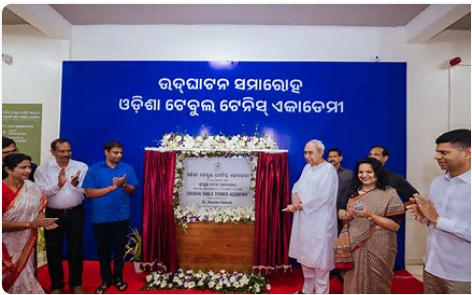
<point x="316" y="280"/>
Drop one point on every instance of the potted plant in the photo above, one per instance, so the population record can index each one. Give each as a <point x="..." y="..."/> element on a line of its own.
<point x="133" y="249"/>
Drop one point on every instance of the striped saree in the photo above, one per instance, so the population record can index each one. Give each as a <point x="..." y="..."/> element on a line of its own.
<point x="367" y="251"/>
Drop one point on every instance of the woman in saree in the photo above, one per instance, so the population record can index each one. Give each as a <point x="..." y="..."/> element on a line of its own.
<point x="367" y="245"/>
<point x="22" y="206"/>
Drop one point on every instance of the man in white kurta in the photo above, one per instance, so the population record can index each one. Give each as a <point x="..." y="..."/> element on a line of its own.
<point x="314" y="227"/>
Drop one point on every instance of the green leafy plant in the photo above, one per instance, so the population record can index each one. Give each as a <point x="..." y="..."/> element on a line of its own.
<point x="134" y="246"/>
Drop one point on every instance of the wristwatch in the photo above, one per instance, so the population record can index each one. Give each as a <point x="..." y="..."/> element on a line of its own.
<point x="124" y="186"/>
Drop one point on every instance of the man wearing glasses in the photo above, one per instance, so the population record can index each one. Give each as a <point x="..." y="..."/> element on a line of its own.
<point x="9" y="147"/>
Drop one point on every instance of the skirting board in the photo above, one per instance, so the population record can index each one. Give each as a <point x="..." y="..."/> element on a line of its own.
<point x="413" y="261"/>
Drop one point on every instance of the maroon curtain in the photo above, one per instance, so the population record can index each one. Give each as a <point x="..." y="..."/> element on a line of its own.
<point x="272" y="225"/>
<point x="159" y="238"/>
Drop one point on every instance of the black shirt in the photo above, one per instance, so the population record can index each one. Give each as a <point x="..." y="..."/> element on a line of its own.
<point x="345" y="182"/>
<point x="345" y="179"/>
<point x="404" y="189"/>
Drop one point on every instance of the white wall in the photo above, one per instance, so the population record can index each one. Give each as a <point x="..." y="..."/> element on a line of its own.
<point x="427" y="115"/>
<point x="460" y="94"/>
<point x="35" y="75"/>
<point x="427" y="80"/>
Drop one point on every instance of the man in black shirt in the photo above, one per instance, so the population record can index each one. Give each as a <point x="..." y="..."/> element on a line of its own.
<point x="335" y="157"/>
<point x="9" y="147"/>
<point x="345" y="178"/>
<point x="404" y="189"/>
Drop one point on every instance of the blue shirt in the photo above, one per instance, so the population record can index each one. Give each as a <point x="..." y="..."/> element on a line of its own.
<point x="114" y="206"/>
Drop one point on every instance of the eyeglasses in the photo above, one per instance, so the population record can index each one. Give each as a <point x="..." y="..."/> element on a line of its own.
<point x="9" y="152"/>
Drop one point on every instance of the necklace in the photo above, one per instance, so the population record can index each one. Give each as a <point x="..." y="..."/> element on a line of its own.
<point x="366" y="191"/>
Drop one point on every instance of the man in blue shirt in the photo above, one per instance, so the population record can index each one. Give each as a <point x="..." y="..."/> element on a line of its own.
<point x="109" y="185"/>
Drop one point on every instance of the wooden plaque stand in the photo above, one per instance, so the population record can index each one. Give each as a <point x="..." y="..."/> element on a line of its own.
<point x="216" y="246"/>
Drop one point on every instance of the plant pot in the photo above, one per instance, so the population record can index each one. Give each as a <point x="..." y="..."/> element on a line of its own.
<point x="137" y="267"/>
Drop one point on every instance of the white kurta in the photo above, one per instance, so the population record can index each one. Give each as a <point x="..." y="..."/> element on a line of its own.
<point x="314" y="229"/>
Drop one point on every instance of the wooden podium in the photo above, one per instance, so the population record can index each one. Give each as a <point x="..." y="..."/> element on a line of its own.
<point x="216" y="246"/>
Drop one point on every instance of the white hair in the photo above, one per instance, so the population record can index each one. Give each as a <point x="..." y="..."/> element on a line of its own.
<point x="319" y="145"/>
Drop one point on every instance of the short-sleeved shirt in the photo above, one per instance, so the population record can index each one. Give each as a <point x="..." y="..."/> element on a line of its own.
<point x="114" y="206"/>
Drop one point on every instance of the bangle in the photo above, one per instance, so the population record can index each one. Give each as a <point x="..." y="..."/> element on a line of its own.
<point x="124" y="186"/>
<point x="370" y="217"/>
<point x="345" y="215"/>
<point x="28" y="224"/>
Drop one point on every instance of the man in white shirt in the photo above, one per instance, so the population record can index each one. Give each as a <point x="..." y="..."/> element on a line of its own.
<point x="61" y="179"/>
<point x="314" y="227"/>
<point x="447" y="214"/>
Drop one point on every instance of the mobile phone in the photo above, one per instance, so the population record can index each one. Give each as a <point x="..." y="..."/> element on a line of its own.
<point x="359" y="207"/>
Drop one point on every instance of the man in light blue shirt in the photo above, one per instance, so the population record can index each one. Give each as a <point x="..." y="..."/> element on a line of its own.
<point x="447" y="214"/>
<point x="109" y="185"/>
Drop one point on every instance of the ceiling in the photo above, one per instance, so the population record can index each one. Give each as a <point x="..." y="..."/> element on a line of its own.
<point x="380" y="15"/>
<point x="9" y="18"/>
<point x="242" y="14"/>
<point x="462" y="24"/>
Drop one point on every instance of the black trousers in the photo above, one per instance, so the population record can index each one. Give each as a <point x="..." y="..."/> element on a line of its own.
<point x="71" y="225"/>
<point x="111" y="236"/>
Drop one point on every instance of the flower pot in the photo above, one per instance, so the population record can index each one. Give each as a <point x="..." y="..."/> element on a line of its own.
<point x="137" y="267"/>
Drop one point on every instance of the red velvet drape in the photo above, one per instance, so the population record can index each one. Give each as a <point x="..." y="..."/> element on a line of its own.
<point x="273" y="227"/>
<point x="159" y="237"/>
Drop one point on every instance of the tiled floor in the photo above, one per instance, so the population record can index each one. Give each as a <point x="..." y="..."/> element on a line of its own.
<point x="416" y="270"/>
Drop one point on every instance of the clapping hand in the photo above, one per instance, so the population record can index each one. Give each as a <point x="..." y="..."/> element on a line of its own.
<point x="412" y="209"/>
<point x="119" y="181"/>
<point x="61" y="178"/>
<point x="425" y="208"/>
<point x="75" y="178"/>
<point x="42" y="221"/>
<point x="51" y="226"/>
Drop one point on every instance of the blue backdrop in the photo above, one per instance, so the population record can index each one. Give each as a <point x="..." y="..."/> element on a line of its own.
<point x="349" y="105"/>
